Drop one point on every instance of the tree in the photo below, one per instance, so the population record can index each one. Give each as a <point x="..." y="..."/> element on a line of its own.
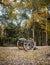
<point x="27" y="11"/>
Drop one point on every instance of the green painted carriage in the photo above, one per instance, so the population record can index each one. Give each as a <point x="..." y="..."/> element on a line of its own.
<point x="22" y="43"/>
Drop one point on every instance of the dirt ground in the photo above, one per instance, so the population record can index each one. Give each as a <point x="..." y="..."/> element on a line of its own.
<point x="14" y="56"/>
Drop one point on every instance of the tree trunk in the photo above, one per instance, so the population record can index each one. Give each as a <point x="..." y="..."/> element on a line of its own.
<point x="33" y="31"/>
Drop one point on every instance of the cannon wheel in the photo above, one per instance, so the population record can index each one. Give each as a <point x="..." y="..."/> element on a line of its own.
<point x="27" y="46"/>
<point x="19" y="47"/>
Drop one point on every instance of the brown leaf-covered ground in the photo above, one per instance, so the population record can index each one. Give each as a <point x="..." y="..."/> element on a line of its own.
<point x="14" y="56"/>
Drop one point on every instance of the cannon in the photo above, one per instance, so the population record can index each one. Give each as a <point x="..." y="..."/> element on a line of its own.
<point x="22" y="43"/>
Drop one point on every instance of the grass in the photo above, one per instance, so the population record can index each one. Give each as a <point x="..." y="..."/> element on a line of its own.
<point x="39" y="56"/>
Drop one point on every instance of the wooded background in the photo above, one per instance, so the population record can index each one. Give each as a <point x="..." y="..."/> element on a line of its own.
<point x="24" y="19"/>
